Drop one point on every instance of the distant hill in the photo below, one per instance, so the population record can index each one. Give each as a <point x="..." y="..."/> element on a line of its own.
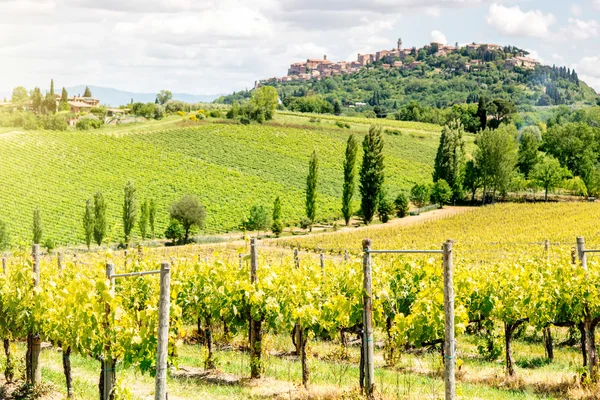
<point x="116" y="97"/>
<point x="437" y="78"/>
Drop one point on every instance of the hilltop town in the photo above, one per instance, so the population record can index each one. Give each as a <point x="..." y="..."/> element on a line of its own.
<point x="407" y="59"/>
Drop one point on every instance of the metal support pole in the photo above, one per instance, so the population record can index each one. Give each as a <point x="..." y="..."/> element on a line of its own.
<point x="163" y="332"/>
<point x="449" y="342"/>
<point x="368" y="321"/>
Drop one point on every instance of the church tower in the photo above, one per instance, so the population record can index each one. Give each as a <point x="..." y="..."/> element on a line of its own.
<point x="399" y="44"/>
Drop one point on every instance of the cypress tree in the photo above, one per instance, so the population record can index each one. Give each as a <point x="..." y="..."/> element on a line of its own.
<point x="349" y="177"/>
<point x="52" y="87"/>
<point x="87" y="92"/>
<point x="371" y="172"/>
<point x="88" y="222"/>
<point x="129" y="211"/>
<point x="311" y="188"/>
<point x="63" y="105"/>
<point x="450" y="158"/>
<point x="99" y="218"/>
<point x="482" y="112"/>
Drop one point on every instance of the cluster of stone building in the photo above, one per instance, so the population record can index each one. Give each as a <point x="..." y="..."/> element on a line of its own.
<point x="395" y="58"/>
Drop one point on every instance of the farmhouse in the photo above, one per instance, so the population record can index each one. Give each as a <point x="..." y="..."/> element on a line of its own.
<point x="79" y="106"/>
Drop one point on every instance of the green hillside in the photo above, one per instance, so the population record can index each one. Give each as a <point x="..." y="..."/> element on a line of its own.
<point x="441" y="81"/>
<point x="230" y="167"/>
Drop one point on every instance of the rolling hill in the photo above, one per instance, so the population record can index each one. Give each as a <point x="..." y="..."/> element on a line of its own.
<point x="229" y="166"/>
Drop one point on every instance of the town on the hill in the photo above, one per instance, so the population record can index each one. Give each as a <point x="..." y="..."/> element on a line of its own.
<point x="396" y="58"/>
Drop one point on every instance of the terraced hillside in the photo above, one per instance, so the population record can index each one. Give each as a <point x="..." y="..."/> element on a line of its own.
<point x="230" y="167"/>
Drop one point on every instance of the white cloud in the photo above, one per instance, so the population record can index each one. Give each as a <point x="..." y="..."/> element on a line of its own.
<point x="535" y="55"/>
<point x="438" y="37"/>
<point x="576" y="9"/>
<point x="513" y="21"/>
<point x="588" y="69"/>
<point x="557" y="58"/>
<point x="580" y="30"/>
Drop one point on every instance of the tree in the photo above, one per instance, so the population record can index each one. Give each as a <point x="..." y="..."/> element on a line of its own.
<point x="450" y="158"/>
<point x="482" y="112"/>
<point x="175" y="232"/>
<point x="50" y="103"/>
<point x="371" y="172"/>
<point x="495" y="158"/>
<point x="401" y="204"/>
<point x="258" y="220"/>
<point x="88" y="222"/>
<point x="63" y="105"/>
<point x="472" y="180"/>
<point x="38" y="229"/>
<point x="265" y="100"/>
<point x="87" y="92"/>
<point x="349" y="178"/>
<point x="441" y="193"/>
<point x="4" y="236"/>
<point x="52" y="87"/>
<point x="385" y="207"/>
<point x="163" y="97"/>
<point x="130" y="210"/>
<point x="419" y="195"/>
<point x="337" y="107"/>
<point x="19" y="96"/>
<point x="144" y="218"/>
<point x="548" y="174"/>
<point x="152" y="216"/>
<point x="528" y="154"/>
<point x="36" y="100"/>
<point x="189" y="213"/>
<point x="311" y="188"/>
<point x="100" y="224"/>
<point x="277" y="226"/>
<point x="501" y="110"/>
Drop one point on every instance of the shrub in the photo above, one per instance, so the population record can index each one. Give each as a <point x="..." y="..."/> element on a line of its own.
<point x="419" y="195"/>
<point x="215" y="114"/>
<point x="401" y="204"/>
<point x="340" y="124"/>
<point x="369" y="114"/>
<point x="200" y="116"/>
<point x="175" y="232"/>
<point x="88" y="122"/>
<point x="441" y="193"/>
<point x="305" y="223"/>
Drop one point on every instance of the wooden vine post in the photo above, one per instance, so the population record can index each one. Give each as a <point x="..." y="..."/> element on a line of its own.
<point x="108" y="377"/>
<point x="322" y="261"/>
<point x="9" y="368"/>
<point x="164" y="306"/>
<point x="588" y="325"/>
<point x="34" y="342"/>
<point x="255" y="326"/>
<point x="368" y="351"/>
<point x="449" y="341"/>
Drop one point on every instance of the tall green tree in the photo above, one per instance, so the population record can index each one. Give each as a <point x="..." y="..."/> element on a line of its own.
<point x="152" y="216"/>
<point x="482" y="112"/>
<point x="37" y="100"/>
<point x="100" y="224"/>
<point x="277" y="226"/>
<point x="38" y="229"/>
<point x="349" y="178"/>
<point x="144" y="219"/>
<point x="130" y="210"/>
<point x="371" y="172"/>
<point x="19" y="96"/>
<point x="189" y="213"/>
<point x="385" y="208"/>
<point x="420" y="195"/>
<point x="450" y="158"/>
<point x="472" y="180"/>
<point x="496" y="158"/>
<point x="88" y="222"/>
<point x="63" y="105"/>
<point x="548" y="174"/>
<point x="311" y="188"/>
<point x="52" y="87"/>
<point x="163" y="97"/>
<point x="49" y="103"/>
<point x="264" y="100"/>
<point x="528" y="155"/>
<point x="87" y="92"/>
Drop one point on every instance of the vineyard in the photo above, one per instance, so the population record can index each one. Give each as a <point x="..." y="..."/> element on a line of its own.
<point x="524" y="305"/>
<point x="229" y="167"/>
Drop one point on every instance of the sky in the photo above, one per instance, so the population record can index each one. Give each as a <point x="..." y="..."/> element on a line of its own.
<point x="219" y="46"/>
